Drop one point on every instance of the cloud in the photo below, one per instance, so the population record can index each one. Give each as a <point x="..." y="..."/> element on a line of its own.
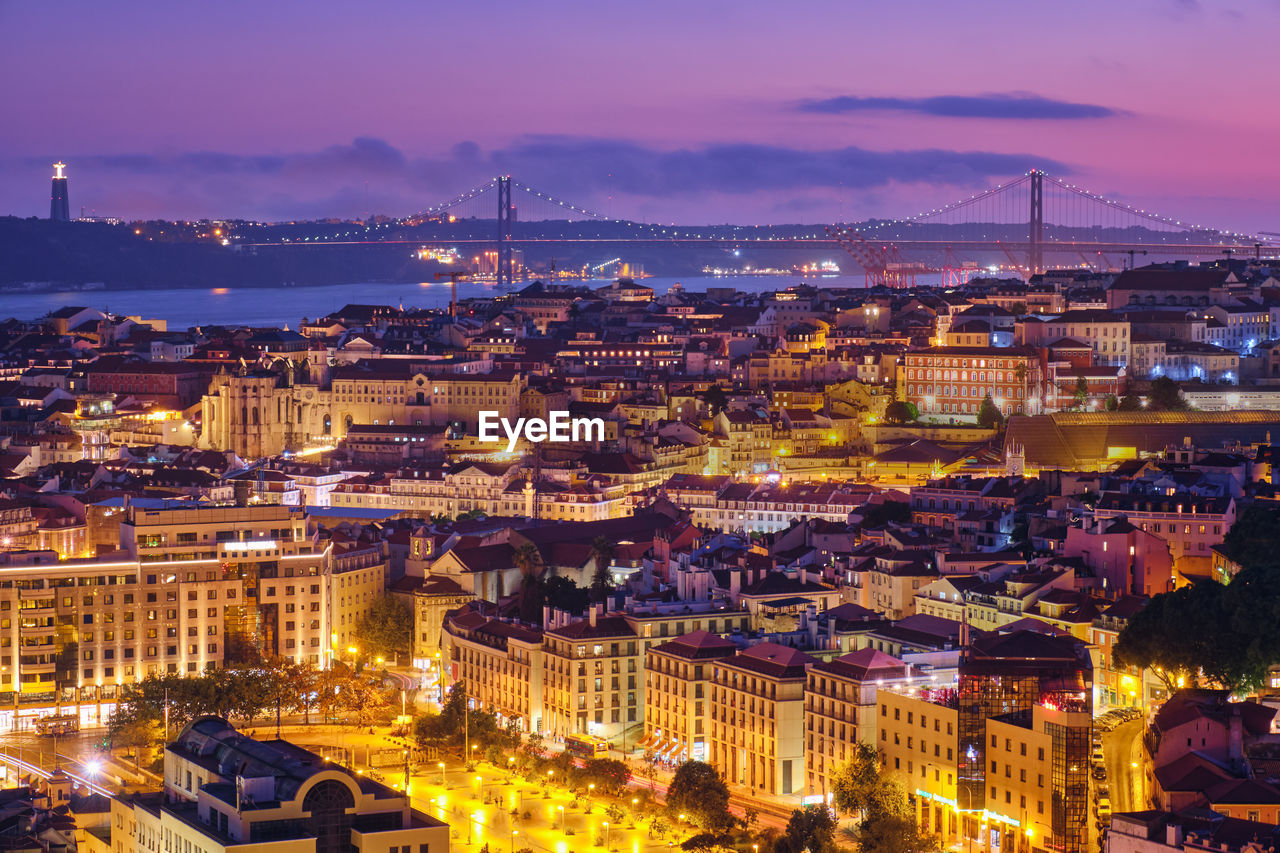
<point x="609" y="165"/>
<point x="1006" y="105"/>
<point x="350" y="179"/>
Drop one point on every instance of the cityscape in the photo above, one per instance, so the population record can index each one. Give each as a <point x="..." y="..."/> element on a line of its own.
<point x="621" y="476"/>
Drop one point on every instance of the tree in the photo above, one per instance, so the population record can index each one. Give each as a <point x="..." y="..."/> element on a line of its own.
<point x="1165" y="396"/>
<point x="1130" y="403"/>
<point x="853" y="783"/>
<point x="698" y="792"/>
<point x="894" y="834"/>
<point x="1254" y="539"/>
<point x="705" y="842"/>
<point x="878" y="515"/>
<point x="386" y="630"/>
<point x="609" y="773"/>
<point x="1081" y="392"/>
<point x="529" y="561"/>
<point x="1018" y="309"/>
<point x="811" y="828"/>
<point x="989" y="416"/>
<point x="1230" y="634"/>
<point x="602" y="549"/>
<point x="563" y="594"/>
<point x="716" y="399"/>
<point x="900" y="412"/>
<point x="1112" y="404"/>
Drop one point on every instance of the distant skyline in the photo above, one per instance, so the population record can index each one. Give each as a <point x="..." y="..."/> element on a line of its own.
<point x="750" y="112"/>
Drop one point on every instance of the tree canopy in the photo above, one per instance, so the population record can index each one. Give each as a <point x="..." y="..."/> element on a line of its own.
<point x="989" y="416"/>
<point x="387" y="629"/>
<point x="1165" y="396"/>
<point x="901" y="412"/>
<point x="811" y="828"/>
<point x="1229" y="633"/>
<point x="886" y="825"/>
<point x="698" y="792"/>
<point x="1130" y="403"/>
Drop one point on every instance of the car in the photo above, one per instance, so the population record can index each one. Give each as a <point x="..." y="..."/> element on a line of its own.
<point x="1102" y="790"/>
<point x="1099" y="772"/>
<point x="1104" y="804"/>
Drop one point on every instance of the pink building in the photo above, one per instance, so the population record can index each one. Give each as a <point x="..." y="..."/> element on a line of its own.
<point x="1127" y="559"/>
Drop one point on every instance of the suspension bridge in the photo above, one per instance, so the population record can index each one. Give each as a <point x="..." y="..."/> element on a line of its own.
<point x="1033" y="221"/>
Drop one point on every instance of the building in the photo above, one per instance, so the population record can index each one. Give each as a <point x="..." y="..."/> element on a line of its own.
<point x="1005" y="678"/>
<point x="1190" y="524"/>
<point x="225" y="791"/>
<point x="500" y="664"/>
<point x="677" y="696"/>
<point x="593" y="676"/>
<point x="840" y="711"/>
<point x="951" y="382"/>
<point x="757" y="719"/>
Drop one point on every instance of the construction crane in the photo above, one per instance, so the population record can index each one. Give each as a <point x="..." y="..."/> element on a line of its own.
<point x="453" y="276"/>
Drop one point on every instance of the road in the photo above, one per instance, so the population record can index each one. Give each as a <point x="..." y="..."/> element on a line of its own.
<point x="24" y="753"/>
<point x="1125" y="758"/>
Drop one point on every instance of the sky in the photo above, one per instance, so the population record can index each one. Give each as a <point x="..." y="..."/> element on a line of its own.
<point x="694" y="111"/>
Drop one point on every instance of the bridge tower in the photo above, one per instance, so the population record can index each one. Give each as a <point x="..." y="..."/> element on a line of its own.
<point x="1035" y="228"/>
<point x="505" y="214"/>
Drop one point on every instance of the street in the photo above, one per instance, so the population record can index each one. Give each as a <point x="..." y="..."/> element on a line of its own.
<point x="1126" y="767"/>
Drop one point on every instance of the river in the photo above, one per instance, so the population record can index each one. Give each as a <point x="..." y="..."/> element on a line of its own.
<point x="280" y="306"/>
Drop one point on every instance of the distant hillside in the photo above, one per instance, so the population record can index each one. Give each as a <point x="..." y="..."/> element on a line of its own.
<point x="71" y="253"/>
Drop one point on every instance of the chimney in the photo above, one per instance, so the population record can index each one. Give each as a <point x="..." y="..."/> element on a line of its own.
<point x="812" y="613"/>
<point x="735" y="583"/>
<point x="546" y="616"/>
<point x="1173" y="835"/>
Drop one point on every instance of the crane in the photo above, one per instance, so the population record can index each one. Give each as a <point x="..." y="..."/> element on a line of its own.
<point x="453" y="275"/>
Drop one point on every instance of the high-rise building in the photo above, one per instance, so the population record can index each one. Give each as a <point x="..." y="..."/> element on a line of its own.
<point x="59" y="206"/>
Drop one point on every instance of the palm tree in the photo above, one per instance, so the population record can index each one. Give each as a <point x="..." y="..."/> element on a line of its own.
<point x="529" y="561"/>
<point x="603" y="550"/>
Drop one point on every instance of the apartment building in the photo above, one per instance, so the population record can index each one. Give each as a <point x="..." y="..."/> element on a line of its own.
<point x="757" y="719"/>
<point x="500" y="663"/>
<point x="593" y="676"/>
<point x="677" y="696"/>
<point x="1002" y="757"/>
<point x="840" y="709"/>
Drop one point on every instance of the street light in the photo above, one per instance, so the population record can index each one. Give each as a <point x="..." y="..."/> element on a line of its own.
<point x="443" y="783"/>
<point x="606" y="835"/>
<point x="563" y="819"/>
<point x="514" y="833"/>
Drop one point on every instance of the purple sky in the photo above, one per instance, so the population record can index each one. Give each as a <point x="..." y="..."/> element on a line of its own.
<point x="694" y="111"/>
